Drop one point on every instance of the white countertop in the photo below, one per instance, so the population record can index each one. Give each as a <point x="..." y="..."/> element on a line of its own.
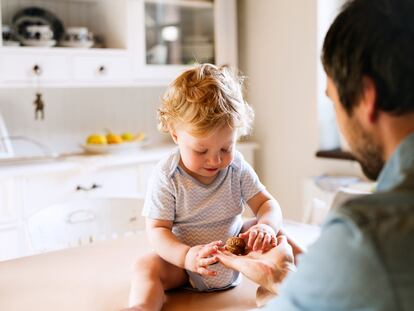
<point x="96" y="278"/>
<point x="79" y="161"/>
<point x="91" y="161"/>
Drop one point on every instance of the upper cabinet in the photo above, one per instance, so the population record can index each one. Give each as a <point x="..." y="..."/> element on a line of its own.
<point x="112" y="42"/>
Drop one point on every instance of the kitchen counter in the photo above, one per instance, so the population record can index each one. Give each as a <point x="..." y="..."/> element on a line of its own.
<point x="31" y="166"/>
<point x="96" y="278"/>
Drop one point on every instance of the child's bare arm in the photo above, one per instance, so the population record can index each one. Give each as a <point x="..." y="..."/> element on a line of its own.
<point x="165" y="244"/>
<point x="269" y="221"/>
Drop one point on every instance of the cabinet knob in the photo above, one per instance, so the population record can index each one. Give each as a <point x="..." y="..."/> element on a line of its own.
<point x="102" y="70"/>
<point x="37" y="70"/>
<point x="92" y="187"/>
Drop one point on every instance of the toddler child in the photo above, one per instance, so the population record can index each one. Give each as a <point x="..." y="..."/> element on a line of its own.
<point x="196" y="195"/>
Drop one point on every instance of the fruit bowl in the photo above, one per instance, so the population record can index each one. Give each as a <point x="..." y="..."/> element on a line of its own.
<point x="113" y="148"/>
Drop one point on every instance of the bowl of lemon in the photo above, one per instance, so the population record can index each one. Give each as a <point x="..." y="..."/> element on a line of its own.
<point x="113" y="143"/>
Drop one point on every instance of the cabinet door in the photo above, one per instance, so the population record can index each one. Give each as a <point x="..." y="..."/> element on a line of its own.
<point x="12" y="243"/>
<point x="175" y="34"/>
<point x="10" y="200"/>
<point x="41" y="191"/>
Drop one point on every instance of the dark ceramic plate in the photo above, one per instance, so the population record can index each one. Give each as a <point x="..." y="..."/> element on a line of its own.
<point x="36" y="16"/>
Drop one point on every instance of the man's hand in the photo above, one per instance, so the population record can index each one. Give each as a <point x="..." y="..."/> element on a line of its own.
<point x="259" y="237"/>
<point x="199" y="257"/>
<point x="266" y="269"/>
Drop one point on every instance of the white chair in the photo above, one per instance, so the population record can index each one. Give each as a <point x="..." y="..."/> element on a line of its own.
<point x="84" y="221"/>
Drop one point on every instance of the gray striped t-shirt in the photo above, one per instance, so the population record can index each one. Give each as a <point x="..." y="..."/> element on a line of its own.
<point x="202" y="213"/>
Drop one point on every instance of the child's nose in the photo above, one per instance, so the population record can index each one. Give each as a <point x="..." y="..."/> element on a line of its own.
<point x="215" y="159"/>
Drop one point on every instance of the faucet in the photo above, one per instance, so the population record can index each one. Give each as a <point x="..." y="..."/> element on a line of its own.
<point x="47" y="151"/>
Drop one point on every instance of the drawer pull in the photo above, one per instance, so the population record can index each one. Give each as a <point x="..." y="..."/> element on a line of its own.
<point x="102" y="70"/>
<point x="37" y="70"/>
<point x="80" y="216"/>
<point x="93" y="187"/>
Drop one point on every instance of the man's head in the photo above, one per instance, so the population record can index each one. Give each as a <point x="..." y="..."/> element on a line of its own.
<point x="368" y="55"/>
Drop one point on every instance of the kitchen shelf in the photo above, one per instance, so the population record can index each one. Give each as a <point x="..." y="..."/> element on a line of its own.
<point x="335" y="154"/>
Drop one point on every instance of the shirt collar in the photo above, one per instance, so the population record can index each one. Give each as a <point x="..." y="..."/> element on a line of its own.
<point x="399" y="167"/>
<point x="176" y="160"/>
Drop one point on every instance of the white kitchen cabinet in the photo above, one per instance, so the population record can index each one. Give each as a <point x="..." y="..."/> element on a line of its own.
<point x="95" y="68"/>
<point x="128" y="180"/>
<point x="34" y="68"/>
<point x="12" y="242"/>
<point x="24" y="196"/>
<point x="12" y="233"/>
<point x="147" y="42"/>
<point x="173" y="34"/>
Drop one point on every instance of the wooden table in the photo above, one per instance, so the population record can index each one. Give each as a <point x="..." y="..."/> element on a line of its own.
<point x="96" y="278"/>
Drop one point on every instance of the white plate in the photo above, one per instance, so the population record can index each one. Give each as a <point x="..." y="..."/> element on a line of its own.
<point x="71" y="44"/>
<point x="39" y="43"/>
<point x="11" y="43"/>
<point x="113" y="148"/>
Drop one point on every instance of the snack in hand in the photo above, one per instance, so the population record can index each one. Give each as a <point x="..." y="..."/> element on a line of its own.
<point x="236" y="245"/>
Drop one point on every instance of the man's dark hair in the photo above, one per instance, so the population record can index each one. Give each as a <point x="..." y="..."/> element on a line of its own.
<point x="375" y="39"/>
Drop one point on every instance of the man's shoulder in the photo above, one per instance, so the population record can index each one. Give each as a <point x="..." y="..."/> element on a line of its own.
<point x="371" y="207"/>
<point x="376" y="214"/>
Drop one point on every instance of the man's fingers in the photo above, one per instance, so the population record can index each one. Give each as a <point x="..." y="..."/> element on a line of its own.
<point x="281" y="239"/>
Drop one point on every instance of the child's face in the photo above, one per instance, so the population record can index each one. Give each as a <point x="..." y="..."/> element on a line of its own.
<point x="204" y="157"/>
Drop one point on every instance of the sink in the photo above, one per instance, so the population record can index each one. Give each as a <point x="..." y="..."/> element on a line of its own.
<point x="28" y="160"/>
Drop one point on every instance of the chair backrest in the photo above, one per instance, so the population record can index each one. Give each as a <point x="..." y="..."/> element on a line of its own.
<point x="84" y="221"/>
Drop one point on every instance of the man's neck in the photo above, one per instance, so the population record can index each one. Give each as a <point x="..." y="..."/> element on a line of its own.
<point x="394" y="130"/>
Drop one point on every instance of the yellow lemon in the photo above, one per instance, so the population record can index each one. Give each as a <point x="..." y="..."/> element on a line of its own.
<point x="96" y="139"/>
<point x="127" y="136"/>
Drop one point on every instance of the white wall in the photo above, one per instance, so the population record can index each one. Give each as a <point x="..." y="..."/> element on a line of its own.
<point x="72" y="114"/>
<point x="278" y="53"/>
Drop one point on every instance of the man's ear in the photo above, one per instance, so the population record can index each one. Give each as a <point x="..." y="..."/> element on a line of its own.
<point x="369" y="100"/>
<point x="174" y="137"/>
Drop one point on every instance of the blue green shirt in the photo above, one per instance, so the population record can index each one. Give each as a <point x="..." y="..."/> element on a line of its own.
<point x="364" y="258"/>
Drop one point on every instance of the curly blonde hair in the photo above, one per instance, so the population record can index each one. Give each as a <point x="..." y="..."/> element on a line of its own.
<point x="204" y="98"/>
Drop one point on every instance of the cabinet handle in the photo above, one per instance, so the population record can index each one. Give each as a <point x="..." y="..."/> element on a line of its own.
<point x="37" y="70"/>
<point x="93" y="187"/>
<point x="80" y="216"/>
<point x="102" y="70"/>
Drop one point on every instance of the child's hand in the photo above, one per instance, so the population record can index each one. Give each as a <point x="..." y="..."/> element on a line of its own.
<point x="199" y="257"/>
<point x="259" y="237"/>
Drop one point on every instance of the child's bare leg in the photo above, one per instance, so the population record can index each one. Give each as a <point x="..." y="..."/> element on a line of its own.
<point x="152" y="276"/>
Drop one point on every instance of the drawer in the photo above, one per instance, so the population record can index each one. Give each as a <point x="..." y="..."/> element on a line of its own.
<point x="102" y="68"/>
<point x="10" y="200"/>
<point x="12" y="243"/>
<point x="25" y="68"/>
<point x="110" y="182"/>
<point x="42" y="191"/>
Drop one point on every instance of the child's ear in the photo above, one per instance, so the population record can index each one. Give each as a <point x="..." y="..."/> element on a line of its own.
<point x="174" y="137"/>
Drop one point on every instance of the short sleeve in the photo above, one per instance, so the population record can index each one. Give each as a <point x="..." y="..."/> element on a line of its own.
<point x="341" y="272"/>
<point x="249" y="181"/>
<point x="160" y="197"/>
